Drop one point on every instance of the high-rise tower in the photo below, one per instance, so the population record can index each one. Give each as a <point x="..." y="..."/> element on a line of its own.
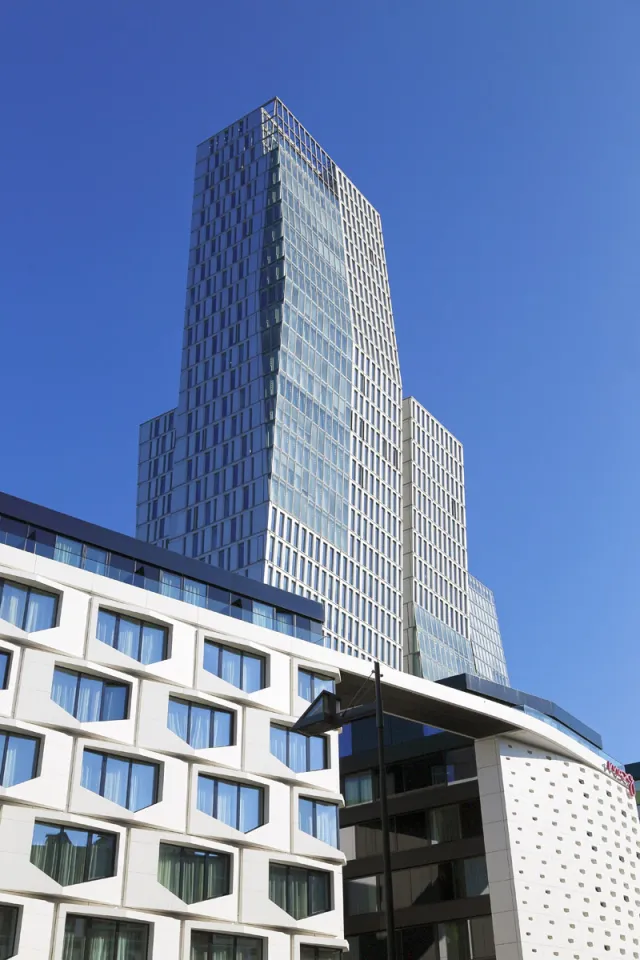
<point x="282" y="459"/>
<point x="450" y="623"/>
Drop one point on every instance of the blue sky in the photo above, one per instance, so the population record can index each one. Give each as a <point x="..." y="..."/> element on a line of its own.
<point x="500" y="142"/>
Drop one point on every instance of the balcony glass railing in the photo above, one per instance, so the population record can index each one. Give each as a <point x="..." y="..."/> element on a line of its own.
<point x="126" y="569"/>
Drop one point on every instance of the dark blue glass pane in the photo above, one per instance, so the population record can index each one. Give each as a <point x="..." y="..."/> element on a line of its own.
<point x="106" y="631"/>
<point x="206" y="789"/>
<point x="41" y="613"/>
<point x="317" y="751"/>
<point x="305" y="820"/>
<point x="116" y="780"/>
<point x="91" y="770"/>
<point x="154" y="641"/>
<point x="252" y="673"/>
<point x="305" y="686"/>
<point x="231" y="667"/>
<point x="143" y="785"/>
<point x="89" y="698"/>
<point x="4" y="670"/>
<point x="211" y="661"/>
<point x="222" y="729"/>
<point x="20" y="760"/>
<point x="95" y="560"/>
<point x="114" y="702"/>
<point x="250" y="808"/>
<point x="13" y="604"/>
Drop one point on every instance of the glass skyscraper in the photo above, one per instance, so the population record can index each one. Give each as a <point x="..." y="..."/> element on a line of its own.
<point x="283" y="459"/>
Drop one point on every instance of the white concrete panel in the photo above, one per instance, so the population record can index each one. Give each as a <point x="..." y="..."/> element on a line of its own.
<point x="168" y="813"/>
<point x="154" y="733"/>
<point x="19" y="875"/>
<point x="8" y="694"/>
<point x="274" y="834"/>
<point x="35" y="925"/>
<point x="274" y="696"/>
<point x="49" y="787"/>
<point x="34" y="702"/>
<point x="144" y="890"/>
<point x="178" y="668"/>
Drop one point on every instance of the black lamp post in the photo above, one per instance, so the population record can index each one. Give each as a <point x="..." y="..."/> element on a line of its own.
<point x="323" y="715"/>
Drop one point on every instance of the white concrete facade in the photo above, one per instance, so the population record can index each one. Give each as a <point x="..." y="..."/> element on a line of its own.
<point x="55" y="795"/>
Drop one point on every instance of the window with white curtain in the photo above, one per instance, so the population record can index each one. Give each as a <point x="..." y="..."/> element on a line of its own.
<point x="311" y="685"/>
<point x="9" y="916"/>
<point x="26" y="607"/>
<point x="359" y="788"/>
<point x="238" y="667"/>
<point x="18" y="758"/>
<point x="298" y="891"/>
<point x="319" y="819"/>
<point x="239" y="805"/>
<point x="70" y="854"/>
<point x="130" y="783"/>
<point x="224" y="946"/>
<point x="89" y="698"/>
<point x="194" y="875"/>
<point x="143" y="641"/>
<point x="200" y="726"/>
<point x="301" y="753"/>
<point x="103" y="938"/>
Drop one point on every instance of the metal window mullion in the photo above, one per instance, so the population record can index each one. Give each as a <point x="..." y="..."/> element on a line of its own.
<point x="87" y="940"/>
<point x="102" y="688"/>
<point x="181" y="872"/>
<point x="238" y="793"/>
<point x="212" y="726"/>
<point x="189" y="724"/>
<point x="103" y="773"/>
<point x="214" y="811"/>
<point x="241" y="654"/>
<point x="3" y="759"/>
<point x="116" y="638"/>
<point x="85" y="870"/>
<point x="25" y="617"/>
<point x="114" y="955"/>
<point x="287" y="896"/>
<point x="77" y="693"/>
<point x="56" y="861"/>
<point x="129" y="783"/>
<point x="139" y="647"/>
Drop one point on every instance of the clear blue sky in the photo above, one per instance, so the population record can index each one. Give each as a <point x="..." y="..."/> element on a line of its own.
<point x="500" y="140"/>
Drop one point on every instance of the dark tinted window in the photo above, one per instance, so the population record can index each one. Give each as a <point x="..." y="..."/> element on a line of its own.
<point x="89" y="937"/>
<point x="9" y="915"/>
<point x="5" y="660"/>
<point x="70" y="854"/>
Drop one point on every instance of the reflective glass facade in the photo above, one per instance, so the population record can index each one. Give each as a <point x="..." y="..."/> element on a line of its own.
<point x="485" y="635"/>
<point x="450" y="619"/>
<point x="282" y="458"/>
<point x="290" y="452"/>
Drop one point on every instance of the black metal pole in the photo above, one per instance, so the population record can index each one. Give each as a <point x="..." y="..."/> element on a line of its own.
<point x="384" y="818"/>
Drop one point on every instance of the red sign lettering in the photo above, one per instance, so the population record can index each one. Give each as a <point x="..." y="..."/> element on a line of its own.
<point x="622" y="777"/>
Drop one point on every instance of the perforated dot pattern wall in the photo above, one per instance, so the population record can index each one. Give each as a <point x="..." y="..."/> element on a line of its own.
<point x="563" y="856"/>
